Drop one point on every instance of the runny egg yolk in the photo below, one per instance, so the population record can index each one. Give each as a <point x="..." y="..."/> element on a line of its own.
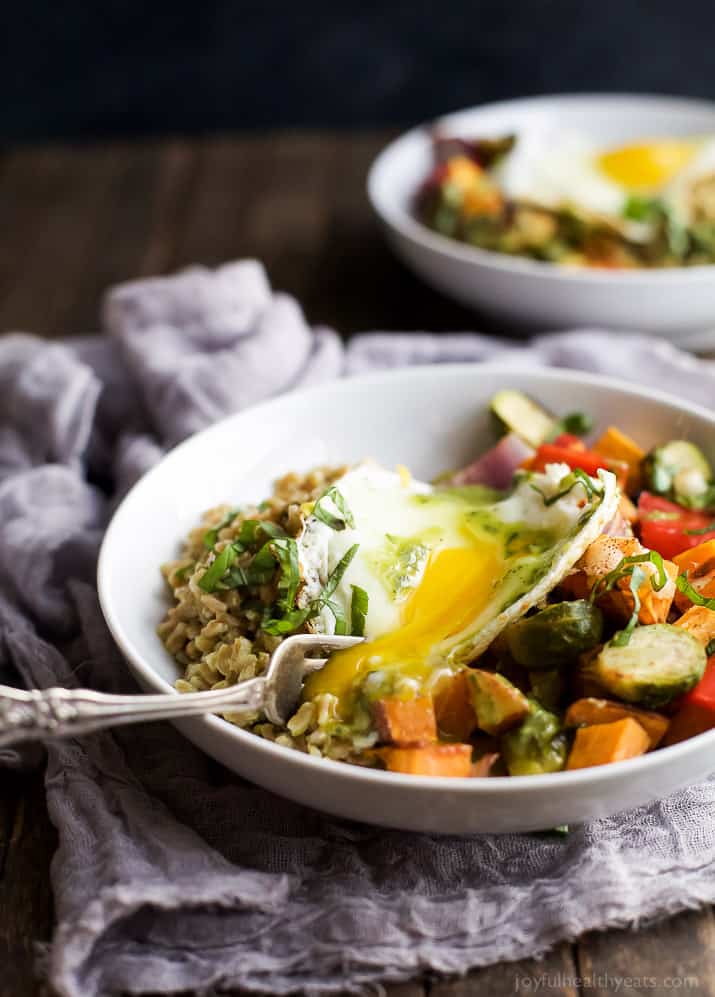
<point x="456" y="586"/>
<point x="646" y="167"/>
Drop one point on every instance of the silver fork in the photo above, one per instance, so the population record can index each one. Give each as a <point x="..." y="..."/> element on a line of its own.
<point x="39" y="714"/>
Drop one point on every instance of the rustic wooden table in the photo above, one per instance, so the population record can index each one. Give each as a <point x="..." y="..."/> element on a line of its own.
<point x="74" y="220"/>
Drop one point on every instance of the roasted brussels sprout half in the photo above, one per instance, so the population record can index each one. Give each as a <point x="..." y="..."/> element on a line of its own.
<point x="537" y="745"/>
<point x="659" y="663"/>
<point x="556" y="635"/>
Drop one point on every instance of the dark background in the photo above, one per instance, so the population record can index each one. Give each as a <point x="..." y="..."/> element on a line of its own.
<point x="113" y="68"/>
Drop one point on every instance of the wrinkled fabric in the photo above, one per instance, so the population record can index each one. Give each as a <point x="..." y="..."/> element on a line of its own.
<point x="172" y="874"/>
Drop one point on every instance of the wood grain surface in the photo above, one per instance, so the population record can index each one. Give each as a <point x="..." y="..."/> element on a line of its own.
<point x="75" y="220"/>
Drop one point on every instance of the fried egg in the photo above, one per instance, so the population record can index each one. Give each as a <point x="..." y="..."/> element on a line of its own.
<point x="556" y="168"/>
<point x="442" y="571"/>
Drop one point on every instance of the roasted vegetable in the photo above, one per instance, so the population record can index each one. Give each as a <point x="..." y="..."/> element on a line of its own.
<point x="618" y="446"/>
<point x="450" y="760"/>
<point x="453" y="707"/>
<point x="405" y="721"/>
<point x="498" y="704"/>
<point x="680" y="471"/>
<point x="658" y="664"/>
<point x="537" y="745"/>
<point x="669" y="528"/>
<point x="548" y="687"/>
<point x="522" y="416"/>
<point x="700" y="622"/>
<point x="556" y="635"/>
<point x="484" y="765"/>
<point x="698" y="565"/>
<point x="608" y="566"/>
<point x="584" y="460"/>
<point x="606" y="743"/>
<point x="696" y="710"/>
<point x="590" y="711"/>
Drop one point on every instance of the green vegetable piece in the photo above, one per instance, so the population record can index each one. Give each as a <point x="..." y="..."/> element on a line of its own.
<point x="521" y="415"/>
<point x="642" y="209"/>
<point x="537" y="746"/>
<point x="358" y="611"/>
<point x="659" y="663"/>
<point x="337" y="522"/>
<point x="575" y="423"/>
<point x="692" y="593"/>
<point x="548" y="687"/>
<point x="556" y="635"/>
<point x="497" y="703"/>
<point x="210" y="536"/>
<point x="213" y="575"/>
<point x="681" y="471"/>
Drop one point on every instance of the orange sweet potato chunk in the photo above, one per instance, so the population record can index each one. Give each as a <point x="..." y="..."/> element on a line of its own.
<point x="700" y="622"/>
<point x="451" y="760"/>
<point x="453" y="707"/>
<point x="405" y="721"/>
<point x="591" y="710"/>
<point x="606" y="743"/>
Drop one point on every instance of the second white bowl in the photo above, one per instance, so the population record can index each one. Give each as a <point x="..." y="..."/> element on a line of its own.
<point x="677" y="303"/>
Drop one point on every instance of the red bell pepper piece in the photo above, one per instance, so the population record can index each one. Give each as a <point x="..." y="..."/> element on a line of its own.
<point x="696" y="709"/>
<point x="586" y="460"/>
<point x="669" y="528"/>
<point x="570" y="441"/>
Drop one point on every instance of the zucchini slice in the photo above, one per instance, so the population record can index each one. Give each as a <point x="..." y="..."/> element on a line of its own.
<point x="680" y="470"/>
<point x="659" y="663"/>
<point x="555" y="635"/>
<point x="522" y="416"/>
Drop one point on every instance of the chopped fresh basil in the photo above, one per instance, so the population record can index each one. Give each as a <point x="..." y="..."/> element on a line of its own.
<point x="568" y="483"/>
<point x="213" y="575"/>
<point x="638" y="576"/>
<point x="710" y="528"/>
<point x="687" y="589"/>
<point x="295" y="619"/>
<point x="338" y="523"/>
<point x="211" y="536"/>
<point x="642" y="209"/>
<point x="255" y="531"/>
<point x="183" y="573"/>
<point x="286" y="551"/>
<point x="358" y="611"/>
<point x="625" y="567"/>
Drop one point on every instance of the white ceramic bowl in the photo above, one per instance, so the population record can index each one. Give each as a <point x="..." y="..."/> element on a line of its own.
<point x="429" y="418"/>
<point x="675" y="303"/>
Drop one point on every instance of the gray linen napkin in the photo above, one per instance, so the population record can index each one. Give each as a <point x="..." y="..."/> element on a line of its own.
<point x="172" y="874"/>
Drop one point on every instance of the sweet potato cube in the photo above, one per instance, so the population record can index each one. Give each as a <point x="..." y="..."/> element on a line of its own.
<point x="405" y="721"/>
<point x="452" y="760"/>
<point x="700" y="622"/>
<point x="498" y="704"/>
<point x="606" y="743"/>
<point x="617" y="445"/>
<point x="589" y="711"/>
<point x="453" y="707"/>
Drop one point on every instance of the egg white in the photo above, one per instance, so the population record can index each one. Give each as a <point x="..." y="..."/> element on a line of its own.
<point x="383" y="502"/>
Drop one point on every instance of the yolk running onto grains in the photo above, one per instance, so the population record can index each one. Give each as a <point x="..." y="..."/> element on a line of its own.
<point x="455" y="587"/>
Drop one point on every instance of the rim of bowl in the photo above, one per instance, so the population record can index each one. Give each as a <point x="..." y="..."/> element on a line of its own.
<point x="497" y="784"/>
<point x="399" y="218"/>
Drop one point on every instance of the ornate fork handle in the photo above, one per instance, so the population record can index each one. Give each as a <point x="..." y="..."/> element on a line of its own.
<point x="39" y="714"/>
